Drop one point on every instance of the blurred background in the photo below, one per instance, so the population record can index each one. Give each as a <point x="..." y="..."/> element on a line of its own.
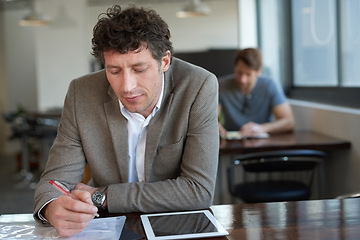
<point x="310" y="47"/>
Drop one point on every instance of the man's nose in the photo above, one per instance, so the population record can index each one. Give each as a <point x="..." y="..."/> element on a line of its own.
<point x="243" y="79"/>
<point x="128" y="82"/>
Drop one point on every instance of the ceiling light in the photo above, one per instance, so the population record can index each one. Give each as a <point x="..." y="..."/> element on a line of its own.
<point x="34" y="18"/>
<point x="193" y="8"/>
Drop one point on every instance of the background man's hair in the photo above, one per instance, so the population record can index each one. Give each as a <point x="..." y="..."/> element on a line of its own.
<point x="251" y="57"/>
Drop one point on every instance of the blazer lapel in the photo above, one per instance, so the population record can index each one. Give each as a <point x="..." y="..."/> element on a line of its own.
<point x="118" y="131"/>
<point x="157" y="124"/>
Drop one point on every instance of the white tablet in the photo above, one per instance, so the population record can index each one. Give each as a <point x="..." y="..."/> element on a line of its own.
<point x="182" y="225"/>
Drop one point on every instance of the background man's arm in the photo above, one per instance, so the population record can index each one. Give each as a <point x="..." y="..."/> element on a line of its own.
<point x="284" y="119"/>
<point x="284" y="122"/>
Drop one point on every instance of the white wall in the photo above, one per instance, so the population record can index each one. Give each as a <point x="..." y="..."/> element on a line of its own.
<point x="3" y="82"/>
<point x="17" y="70"/>
<point x="20" y="61"/>
<point x="60" y="51"/>
<point x="247" y="24"/>
<point x="3" y="87"/>
<point x="343" y="166"/>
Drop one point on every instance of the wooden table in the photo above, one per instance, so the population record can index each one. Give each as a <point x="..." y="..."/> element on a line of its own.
<point x="284" y="141"/>
<point x="331" y="219"/>
<point x="316" y="219"/>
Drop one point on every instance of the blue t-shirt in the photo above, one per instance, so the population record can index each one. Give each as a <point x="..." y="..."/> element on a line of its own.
<point x="257" y="106"/>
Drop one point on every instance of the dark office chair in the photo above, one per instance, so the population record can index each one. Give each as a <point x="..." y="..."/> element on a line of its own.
<point x="274" y="176"/>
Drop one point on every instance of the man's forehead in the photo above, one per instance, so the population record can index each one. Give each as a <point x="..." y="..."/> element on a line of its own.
<point x="134" y="55"/>
<point x="143" y="47"/>
<point x="245" y="69"/>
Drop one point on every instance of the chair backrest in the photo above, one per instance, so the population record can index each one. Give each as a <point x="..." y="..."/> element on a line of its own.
<point x="284" y="165"/>
<point x="280" y="161"/>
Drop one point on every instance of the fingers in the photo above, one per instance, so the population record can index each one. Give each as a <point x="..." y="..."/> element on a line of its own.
<point x="251" y="129"/>
<point x="71" y="210"/>
<point x="70" y="216"/>
<point x="68" y="228"/>
<point x="84" y="187"/>
<point x="81" y="186"/>
<point x="84" y="192"/>
<point x="83" y="196"/>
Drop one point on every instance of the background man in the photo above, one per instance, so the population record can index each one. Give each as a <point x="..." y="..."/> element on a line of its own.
<point x="251" y="103"/>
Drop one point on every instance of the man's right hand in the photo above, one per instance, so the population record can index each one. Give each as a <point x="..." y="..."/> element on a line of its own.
<point x="70" y="216"/>
<point x="252" y="129"/>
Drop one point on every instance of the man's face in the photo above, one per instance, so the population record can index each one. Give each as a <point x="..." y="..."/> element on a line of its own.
<point x="245" y="77"/>
<point x="136" y="78"/>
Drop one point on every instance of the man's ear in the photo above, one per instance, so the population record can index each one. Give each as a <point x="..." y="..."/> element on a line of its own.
<point x="165" y="61"/>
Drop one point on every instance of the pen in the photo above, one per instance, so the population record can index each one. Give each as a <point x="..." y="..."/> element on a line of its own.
<point x="64" y="190"/>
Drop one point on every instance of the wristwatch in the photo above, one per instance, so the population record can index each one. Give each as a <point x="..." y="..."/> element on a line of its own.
<point x="99" y="198"/>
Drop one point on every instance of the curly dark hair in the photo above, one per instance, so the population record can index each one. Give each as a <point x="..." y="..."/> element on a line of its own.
<point x="128" y="29"/>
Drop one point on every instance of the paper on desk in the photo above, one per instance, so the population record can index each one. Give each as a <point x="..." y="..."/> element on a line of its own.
<point x="236" y="135"/>
<point x="23" y="226"/>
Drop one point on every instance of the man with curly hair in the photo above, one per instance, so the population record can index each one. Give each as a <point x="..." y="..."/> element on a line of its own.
<point x="146" y="126"/>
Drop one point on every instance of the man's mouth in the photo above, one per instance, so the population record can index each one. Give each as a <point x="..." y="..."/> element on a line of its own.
<point x="132" y="98"/>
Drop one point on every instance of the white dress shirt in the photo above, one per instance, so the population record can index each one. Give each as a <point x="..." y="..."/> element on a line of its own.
<point x="137" y="130"/>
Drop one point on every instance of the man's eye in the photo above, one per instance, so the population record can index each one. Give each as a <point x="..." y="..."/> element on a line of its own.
<point x="140" y="70"/>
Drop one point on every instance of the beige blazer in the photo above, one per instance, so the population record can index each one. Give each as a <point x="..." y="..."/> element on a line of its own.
<point x="182" y="144"/>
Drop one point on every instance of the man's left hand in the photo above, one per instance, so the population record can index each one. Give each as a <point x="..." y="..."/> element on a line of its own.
<point x="84" y="187"/>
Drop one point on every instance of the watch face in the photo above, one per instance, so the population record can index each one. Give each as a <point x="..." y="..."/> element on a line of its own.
<point x="98" y="198"/>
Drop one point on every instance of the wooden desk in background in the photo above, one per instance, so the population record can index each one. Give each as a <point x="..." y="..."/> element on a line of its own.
<point x="316" y="219"/>
<point x="284" y="141"/>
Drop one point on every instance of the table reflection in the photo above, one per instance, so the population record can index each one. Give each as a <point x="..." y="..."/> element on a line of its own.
<point x="315" y="219"/>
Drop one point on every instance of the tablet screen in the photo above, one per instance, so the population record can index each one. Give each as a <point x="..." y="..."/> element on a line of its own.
<point x="181" y="225"/>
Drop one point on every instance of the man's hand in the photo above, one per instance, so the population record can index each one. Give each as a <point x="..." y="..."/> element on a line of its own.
<point x="70" y="216"/>
<point x="222" y="130"/>
<point x="86" y="188"/>
<point x="252" y="129"/>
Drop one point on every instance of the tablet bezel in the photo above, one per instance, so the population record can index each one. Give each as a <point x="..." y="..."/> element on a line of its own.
<point x="151" y="235"/>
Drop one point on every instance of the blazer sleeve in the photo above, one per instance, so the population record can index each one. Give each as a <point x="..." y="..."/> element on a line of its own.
<point x="66" y="157"/>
